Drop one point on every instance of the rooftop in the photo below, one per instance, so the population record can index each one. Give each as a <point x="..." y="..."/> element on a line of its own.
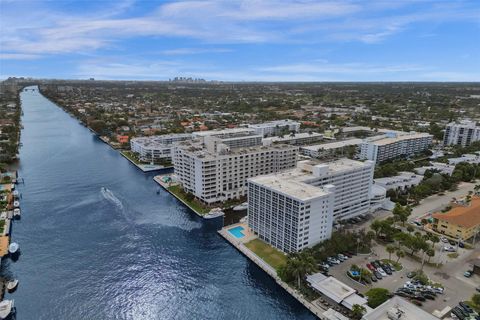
<point x="221" y="132"/>
<point x="399" y="137"/>
<point x="399" y="307"/>
<point x="333" y="145"/>
<point x="466" y="217"/>
<point x="294" y="136"/>
<point x="272" y="123"/>
<point x="292" y="188"/>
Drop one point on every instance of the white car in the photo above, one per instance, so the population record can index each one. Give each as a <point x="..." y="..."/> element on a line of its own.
<point x="382" y="272"/>
<point x="449" y="249"/>
<point x="342" y="257"/>
<point x="332" y="260"/>
<point x="443" y="239"/>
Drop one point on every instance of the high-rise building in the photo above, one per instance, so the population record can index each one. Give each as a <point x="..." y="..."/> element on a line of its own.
<point x="393" y="145"/>
<point x="288" y="214"/>
<point x="216" y="169"/>
<point x="461" y="133"/>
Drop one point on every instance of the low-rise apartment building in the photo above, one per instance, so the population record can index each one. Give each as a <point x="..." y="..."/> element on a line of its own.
<point x="461" y="222"/>
<point x="328" y="149"/>
<point x="274" y="128"/>
<point x="461" y="133"/>
<point x="295" y="138"/>
<point x="393" y="145"/>
<point x="154" y="148"/>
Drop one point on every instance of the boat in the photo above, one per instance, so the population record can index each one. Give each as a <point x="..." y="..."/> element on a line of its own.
<point x="15" y="193"/>
<point x="16" y="204"/>
<point x="13" y="247"/>
<point x="240" y="207"/>
<point x="6" y="308"/>
<point x="214" y="213"/>
<point x="12" y="285"/>
<point x="16" y="212"/>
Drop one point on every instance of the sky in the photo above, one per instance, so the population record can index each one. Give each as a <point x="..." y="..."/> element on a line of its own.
<point x="250" y="40"/>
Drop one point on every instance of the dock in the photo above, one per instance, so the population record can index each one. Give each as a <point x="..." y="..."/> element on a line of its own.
<point x="313" y="307"/>
<point x="145" y="167"/>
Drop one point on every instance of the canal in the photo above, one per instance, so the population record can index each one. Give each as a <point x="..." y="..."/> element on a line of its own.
<point x="124" y="253"/>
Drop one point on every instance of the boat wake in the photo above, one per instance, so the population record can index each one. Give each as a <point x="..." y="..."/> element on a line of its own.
<point x="108" y="195"/>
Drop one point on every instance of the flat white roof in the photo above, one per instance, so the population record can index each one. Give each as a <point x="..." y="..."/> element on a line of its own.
<point x="333" y="145"/>
<point x="292" y="188"/>
<point x="221" y="132"/>
<point x="400" y="137"/>
<point x="398" y="305"/>
<point x="331" y="287"/>
<point x="288" y="137"/>
<point x="273" y="123"/>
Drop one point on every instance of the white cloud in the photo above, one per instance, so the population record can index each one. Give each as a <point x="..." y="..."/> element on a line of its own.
<point x="18" y="56"/>
<point x="191" y="51"/>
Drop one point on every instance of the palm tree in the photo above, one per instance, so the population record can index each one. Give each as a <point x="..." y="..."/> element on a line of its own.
<point x="400" y="254"/>
<point x="390" y="249"/>
<point x="358" y="311"/>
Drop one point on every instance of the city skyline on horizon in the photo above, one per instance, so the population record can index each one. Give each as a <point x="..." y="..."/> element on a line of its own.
<point x="242" y="41"/>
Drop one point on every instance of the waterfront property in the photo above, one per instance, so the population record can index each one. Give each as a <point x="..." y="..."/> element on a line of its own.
<point x="295" y="209"/>
<point x="237" y="232"/>
<point x="154" y="148"/>
<point x="394" y="144"/>
<point x="397" y="308"/>
<point x="461" y="222"/>
<point x="288" y="214"/>
<point x="213" y="172"/>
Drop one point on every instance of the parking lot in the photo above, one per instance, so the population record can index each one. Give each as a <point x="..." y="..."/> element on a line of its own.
<point x="450" y="275"/>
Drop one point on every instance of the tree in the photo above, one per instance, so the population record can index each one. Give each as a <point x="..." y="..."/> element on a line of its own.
<point x="390" y="249"/>
<point x="377" y="296"/>
<point x="400" y="254"/>
<point x="476" y="299"/>
<point x="358" y="311"/>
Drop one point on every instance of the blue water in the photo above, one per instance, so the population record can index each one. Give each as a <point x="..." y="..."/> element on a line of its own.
<point x="122" y="253"/>
<point x="237" y="232"/>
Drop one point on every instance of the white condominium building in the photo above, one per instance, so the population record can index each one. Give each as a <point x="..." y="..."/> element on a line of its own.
<point x="153" y="148"/>
<point x="288" y="214"/>
<point x="352" y="181"/>
<point x="295" y="138"/>
<point x="274" y="128"/>
<point x="226" y="133"/>
<point x="463" y="133"/>
<point x="213" y="172"/>
<point x="328" y="149"/>
<point x="394" y="145"/>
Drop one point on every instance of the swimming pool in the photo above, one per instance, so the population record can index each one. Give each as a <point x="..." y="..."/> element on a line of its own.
<point x="237" y="232"/>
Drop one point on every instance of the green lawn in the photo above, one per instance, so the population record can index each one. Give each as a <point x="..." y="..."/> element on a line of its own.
<point x="2" y="225"/>
<point x="269" y="254"/>
<point x="196" y="205"/>
<point x="130" y="155"/>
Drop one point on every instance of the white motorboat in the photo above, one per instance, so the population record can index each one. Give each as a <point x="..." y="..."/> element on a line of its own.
<point x="13" y="247"/>
<point x="6" y="308"/>
<point x="214" y="213"/>
<point x="16" y="212"/>
<point x="16" y="204"/>
<point x="15" y="193"/>
<point x="12" y="285"/>
<point x="240" y="207"/>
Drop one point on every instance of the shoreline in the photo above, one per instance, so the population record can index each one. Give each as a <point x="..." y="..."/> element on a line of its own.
<point x="259" y="262"/>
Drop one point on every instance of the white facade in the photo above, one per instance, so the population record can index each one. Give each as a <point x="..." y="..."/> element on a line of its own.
<point x="352" y="181"/>
<point x="287" y="214"/>
<point x="470" y="158"/>
<point x="226" y="133"/>
<point x="462" y="133"/>
<point x="273" y="128"/>
<point x="152" y="148"/>
<point x="326" y="149"/>
<point x="405" y="180"/>
<point x="436" y="166"/>
<point x="221" y="173"/>
<point x="394" y="145"/>
<point x="295" y="138"/>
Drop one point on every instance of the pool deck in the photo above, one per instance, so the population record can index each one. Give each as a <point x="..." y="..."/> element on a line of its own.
<point x="239" y="244"/>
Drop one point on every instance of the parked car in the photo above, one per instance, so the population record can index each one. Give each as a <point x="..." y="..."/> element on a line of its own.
<point x="444" y="240"/>
<point x="449" y="249"/>
<point x="461" y="244"/>
<point x="411" y="274"/>
<point x="467" y="274"/>
<point x="373" y="278"/>
<point x="377" y="275"/>
<point x="382" y="272"/>
<point x="416" y="302"/>
<point x="465" y="307"/>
